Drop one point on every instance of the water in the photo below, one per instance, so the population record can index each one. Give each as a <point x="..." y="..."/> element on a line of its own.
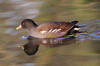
<point x="84" y="50"/>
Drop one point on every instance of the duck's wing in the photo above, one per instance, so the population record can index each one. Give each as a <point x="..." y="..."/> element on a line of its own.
<point x="54" y="28"/>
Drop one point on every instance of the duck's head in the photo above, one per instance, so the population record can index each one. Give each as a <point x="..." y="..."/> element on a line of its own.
<point x="26" y="24"/>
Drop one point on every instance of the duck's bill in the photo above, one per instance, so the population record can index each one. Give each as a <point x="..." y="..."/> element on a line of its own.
<point x="21" y="46"/>
<point x="19" y="27"/>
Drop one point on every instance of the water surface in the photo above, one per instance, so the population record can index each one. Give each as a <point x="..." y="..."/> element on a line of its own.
<point x="82" y="51"/>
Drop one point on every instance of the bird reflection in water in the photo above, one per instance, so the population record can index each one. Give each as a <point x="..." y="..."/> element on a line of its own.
<point x="32" y="46"/>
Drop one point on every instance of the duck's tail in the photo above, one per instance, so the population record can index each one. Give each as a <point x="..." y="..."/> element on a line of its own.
<point x="74" y="22"/>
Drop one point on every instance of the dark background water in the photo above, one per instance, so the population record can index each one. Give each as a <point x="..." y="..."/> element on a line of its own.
<point x="85" y="52"/>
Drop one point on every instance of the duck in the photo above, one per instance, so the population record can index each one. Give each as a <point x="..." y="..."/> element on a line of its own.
<point x="49" y="29"/>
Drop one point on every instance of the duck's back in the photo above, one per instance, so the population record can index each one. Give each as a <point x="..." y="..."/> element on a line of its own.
<point x="54" y="29"/>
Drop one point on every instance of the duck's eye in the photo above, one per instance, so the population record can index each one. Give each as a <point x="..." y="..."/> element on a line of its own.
<point x="24" y="25"/>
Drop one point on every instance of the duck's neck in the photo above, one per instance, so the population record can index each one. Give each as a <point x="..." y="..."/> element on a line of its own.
<point x="32" y="31"/>
<point x="34" y="24"/>
<point x="32" y="27"/>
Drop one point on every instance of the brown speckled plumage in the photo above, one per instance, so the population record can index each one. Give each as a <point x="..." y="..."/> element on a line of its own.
<point x="49" y="29"/>
<point x="55" y="25"/>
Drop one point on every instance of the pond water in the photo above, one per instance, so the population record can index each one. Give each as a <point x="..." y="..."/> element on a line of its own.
<point x="84" y="50"/>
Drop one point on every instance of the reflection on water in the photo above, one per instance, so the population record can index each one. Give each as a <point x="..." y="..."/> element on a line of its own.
<point x="51" y="41"/>
<point x="31" y="47"/>
<point x="84" y="50"/>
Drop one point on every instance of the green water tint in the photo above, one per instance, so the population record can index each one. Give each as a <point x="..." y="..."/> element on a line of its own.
<point x="70" y="10"/>
<point x="79" y="53"/>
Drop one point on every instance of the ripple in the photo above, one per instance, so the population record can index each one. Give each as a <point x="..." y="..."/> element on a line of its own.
<point x="2" y="55"/>
<point x="32" y="11"/>
<point x="28" y="4"/>
<point x="16" y="1"/>
<point x="11" y="31"/>
<point x="87" y="36"/>
<point x="29" y="64"/>
<point x="25" y="9"/>
<point x="7" y="14"/>
<point x="13" y="21"/>
<point x="25" y="37"/>
<point x="1" y="1"/>
<point x="96" y="34"/>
